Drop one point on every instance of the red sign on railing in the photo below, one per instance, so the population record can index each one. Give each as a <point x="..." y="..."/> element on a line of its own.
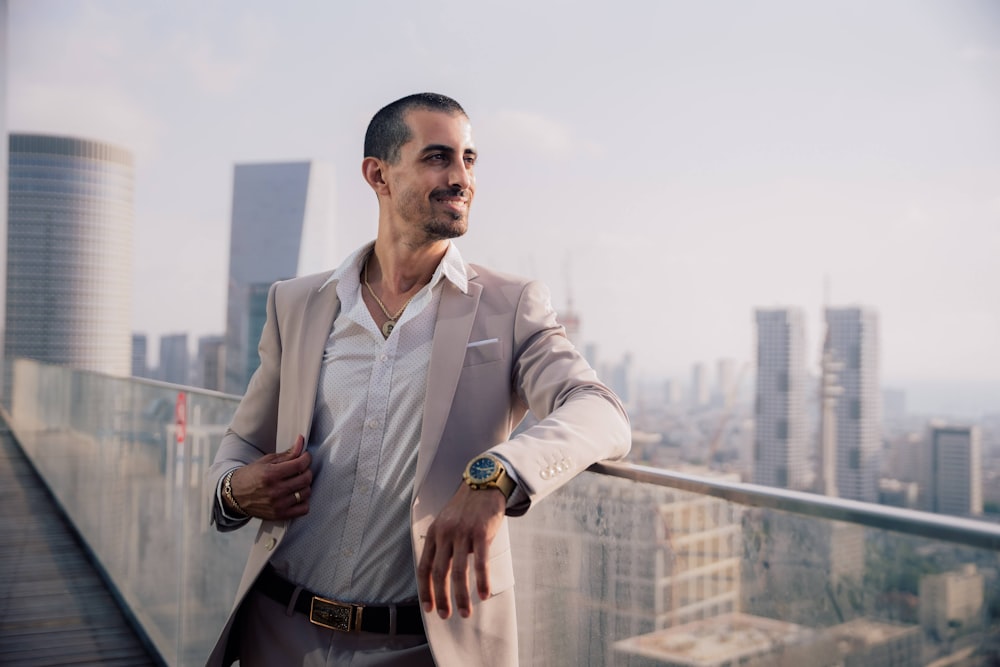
<point x="180" y="417"/>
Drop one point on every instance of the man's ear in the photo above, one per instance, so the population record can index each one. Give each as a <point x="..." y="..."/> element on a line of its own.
<point x="373" y="171"/>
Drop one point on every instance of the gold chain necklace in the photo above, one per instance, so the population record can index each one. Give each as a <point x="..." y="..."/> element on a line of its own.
<point x="392" y="319"/>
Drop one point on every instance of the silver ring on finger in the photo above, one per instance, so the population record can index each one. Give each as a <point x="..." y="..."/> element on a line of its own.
<point x="298" y="497"/>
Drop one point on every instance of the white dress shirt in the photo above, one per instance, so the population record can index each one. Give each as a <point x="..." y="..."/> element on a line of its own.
<point x="354" y="545"/>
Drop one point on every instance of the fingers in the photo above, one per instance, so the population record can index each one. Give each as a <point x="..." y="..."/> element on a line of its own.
<point x="433" y="587"/>
<point x="441" y="567"/>
<point x="425" y="593"/>
<point x="466" y="526"/>
<point x="460" y="579"/>
<point x="440" y="582"/>
<point x="481" y="564"/>
<point x="267" y="488"/>
<point x="297" y="447"/>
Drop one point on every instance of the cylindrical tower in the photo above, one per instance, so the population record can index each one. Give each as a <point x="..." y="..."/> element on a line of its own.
<point x="69" y="253"/>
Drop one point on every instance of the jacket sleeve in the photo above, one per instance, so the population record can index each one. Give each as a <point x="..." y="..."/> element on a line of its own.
<point x="252" y="432"/>
<point x="580" y="420"/>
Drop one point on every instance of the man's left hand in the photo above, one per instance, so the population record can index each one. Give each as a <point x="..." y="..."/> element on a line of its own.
<point x="466" y="525"/>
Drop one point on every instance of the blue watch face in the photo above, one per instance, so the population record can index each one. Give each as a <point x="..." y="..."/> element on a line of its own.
<point x="482" y="469"/>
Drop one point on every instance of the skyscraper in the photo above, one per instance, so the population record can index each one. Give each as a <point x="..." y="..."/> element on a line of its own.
<point x="69" y="253"/>
<point x="699" y="385"/>
<point x="281" y="228"/>
<point x="852" y="342"/>
<point x="140" y="365"/>
<point x="175" y="363"/>
<point x="955" y="471"/>
<point x="211" y="370"/>
<point x="781" y="452"/>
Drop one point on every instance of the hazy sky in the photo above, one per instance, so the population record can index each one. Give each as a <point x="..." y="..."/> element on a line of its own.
<point x="677" y="163"/>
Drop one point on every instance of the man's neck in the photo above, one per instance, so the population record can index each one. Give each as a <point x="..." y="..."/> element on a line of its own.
<point x="398" y="268"/>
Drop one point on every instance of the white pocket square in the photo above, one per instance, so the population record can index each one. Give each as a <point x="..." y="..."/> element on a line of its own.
<point x="480" y="343"/>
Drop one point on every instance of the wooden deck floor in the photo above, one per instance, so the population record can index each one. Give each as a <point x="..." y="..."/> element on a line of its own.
<point x="54" y="606"/>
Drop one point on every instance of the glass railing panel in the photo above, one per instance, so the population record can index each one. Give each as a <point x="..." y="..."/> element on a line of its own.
<point x="109" y="450"/>
<point x="610" y="571"/>
<point x="615" y="572"/>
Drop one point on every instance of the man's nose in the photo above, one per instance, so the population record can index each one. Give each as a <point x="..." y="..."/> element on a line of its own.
<point x="460" y="176"/>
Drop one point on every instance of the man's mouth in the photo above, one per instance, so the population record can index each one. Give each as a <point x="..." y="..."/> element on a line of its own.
<point x="457" y="202"/>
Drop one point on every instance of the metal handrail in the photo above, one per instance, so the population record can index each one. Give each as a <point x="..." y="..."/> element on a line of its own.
<point x="958" y="530"/>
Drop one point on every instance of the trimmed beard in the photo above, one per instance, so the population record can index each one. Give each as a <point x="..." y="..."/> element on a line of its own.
<point x="440" y="230"/>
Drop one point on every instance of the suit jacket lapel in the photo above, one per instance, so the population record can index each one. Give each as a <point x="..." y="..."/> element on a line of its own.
<point x="456" y="314"/>
<point x="321" y="309"/>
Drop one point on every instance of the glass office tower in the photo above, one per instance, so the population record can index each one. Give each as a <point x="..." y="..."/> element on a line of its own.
<point x="281" y="228"/>
<point x="69" y="253"/>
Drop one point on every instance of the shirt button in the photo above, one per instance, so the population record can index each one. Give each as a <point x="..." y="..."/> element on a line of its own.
<point x="383" y="357"/>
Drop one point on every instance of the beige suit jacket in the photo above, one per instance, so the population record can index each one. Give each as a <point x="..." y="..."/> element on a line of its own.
<point x="476" y="395"/>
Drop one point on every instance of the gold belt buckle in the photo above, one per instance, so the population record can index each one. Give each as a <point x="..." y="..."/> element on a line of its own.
<point x="335" y="615"/>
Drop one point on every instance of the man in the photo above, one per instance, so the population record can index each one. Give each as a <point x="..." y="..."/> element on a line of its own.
<point x="374" y="441"/>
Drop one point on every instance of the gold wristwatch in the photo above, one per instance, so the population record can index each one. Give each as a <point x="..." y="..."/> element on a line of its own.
<point x="487" y="472"/>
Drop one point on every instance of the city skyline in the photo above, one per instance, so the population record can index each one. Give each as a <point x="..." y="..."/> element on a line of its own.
<point x="678" y="170"/>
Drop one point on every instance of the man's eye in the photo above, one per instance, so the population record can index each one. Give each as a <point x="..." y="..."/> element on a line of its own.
<point x="436" y="156"/>
<point x="470" y="159"/>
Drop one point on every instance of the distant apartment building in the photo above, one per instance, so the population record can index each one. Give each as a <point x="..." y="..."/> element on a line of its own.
<point x="175" y="363"/>
<point x="906" y="457"/>
<point x="622" y="380"/>
<point x="803" y="570"/>
<point x="955" y="474"/>
<point x="69" y="253"/>
<point x="140" y="363"/>
<point x="852" y="342"/>
<point x="781" y="444"/>
<point x="616" y="560"/>
<point x="866" y="642"/>
<point x="700" y="390"/>
<point x="281" y="228"/>
<point x="729" y="640"/>
<point x="951" y="600"/>
<point x="726" y="379"/>
<point x="893" y="406"/>
<point x="897" y="493"/>
<point x="211" y="363"/>
<point x="671" y="392"/>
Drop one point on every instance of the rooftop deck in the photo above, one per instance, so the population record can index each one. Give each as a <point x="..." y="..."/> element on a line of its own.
<point x="55" y="608"/>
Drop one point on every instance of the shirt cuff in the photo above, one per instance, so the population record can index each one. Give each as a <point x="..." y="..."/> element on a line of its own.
<point x="224" y="518"/>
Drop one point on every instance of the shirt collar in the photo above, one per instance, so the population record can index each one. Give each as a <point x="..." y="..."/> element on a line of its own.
<point x="451" y="267"/>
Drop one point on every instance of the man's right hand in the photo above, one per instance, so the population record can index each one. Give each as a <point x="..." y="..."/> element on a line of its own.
<point x="267" y="488"/>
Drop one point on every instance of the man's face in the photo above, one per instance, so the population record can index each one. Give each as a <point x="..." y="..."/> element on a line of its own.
<point x="433" y="182"/>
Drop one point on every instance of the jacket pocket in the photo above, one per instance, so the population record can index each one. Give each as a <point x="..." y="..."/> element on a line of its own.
<point x="483" y="352"/>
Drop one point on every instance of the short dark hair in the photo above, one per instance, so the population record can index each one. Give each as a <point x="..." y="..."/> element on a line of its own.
<point x="388" y="131"/>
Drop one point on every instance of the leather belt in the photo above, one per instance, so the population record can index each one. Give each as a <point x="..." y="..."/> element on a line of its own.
<point x="341" y="616"/>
